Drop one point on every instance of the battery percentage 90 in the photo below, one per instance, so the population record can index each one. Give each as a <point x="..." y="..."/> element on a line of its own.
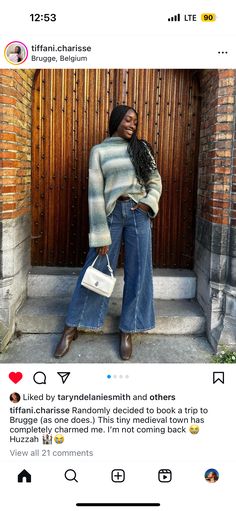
<point x="208" y="16"/>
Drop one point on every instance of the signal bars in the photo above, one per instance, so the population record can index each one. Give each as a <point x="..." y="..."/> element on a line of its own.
<point x="174" y="18"/>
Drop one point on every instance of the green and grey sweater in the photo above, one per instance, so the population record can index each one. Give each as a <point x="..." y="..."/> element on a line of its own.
<point x="112" y="174"/>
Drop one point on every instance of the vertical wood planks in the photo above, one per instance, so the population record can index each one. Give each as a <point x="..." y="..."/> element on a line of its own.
<point x="70" y="114"/>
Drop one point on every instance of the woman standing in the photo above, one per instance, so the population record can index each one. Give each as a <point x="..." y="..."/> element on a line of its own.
<point x="124" y="191"/>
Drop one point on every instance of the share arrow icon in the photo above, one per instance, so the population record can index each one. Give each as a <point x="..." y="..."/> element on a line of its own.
<point x="64" y="376"/>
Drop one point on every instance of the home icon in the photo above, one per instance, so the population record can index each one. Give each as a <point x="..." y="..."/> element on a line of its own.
<point x="24" y="475"/>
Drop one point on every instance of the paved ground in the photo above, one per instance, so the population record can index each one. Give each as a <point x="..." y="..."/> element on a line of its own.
<point x="94" y="348"/>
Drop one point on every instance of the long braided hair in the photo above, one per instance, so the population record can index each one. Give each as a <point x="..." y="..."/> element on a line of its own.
<point x="140" y="151"/>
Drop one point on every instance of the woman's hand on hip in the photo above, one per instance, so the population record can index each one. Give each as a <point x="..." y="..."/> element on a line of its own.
<point x="103" y="250"/>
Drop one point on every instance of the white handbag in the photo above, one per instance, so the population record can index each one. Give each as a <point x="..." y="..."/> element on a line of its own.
<point x="97" y="281"/>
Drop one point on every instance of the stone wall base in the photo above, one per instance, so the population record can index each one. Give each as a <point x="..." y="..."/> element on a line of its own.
<point x="14" y="267"/>
<point x="216" y="275"/>
<point x="228" y="333"/>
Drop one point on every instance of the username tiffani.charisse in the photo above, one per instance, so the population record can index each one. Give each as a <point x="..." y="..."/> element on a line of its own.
<point x="62" y="47"/>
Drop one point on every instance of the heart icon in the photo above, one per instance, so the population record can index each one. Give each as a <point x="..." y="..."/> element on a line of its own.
<point x="15" y="377"/>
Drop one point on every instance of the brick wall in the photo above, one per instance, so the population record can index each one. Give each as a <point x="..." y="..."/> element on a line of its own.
<point x="215" y="247"/>
<point x="15" y="142"/>
<point x="15" y="191"/>
<point x="217" y="146"/>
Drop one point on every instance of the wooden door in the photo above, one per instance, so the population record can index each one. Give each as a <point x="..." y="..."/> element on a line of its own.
<point x="70" y="114"/>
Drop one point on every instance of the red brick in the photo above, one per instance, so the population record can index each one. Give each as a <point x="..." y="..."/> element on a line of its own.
<point x="219" y="187"/>
<point x="8" y="206"/>
<point x="219" y="211"/>
<point x="221" y="136"/>
<point x="222" y="170"/>
<point x="226" y="91"/>
<point x="8" y="189"/>
<point x="224" y="196"/>
<point x="7" y="136"/>
<point x="6" y="100"/>
<point x="226" y="82"/>
<point x="225" y="109"/>
<point x="9" y="128"/>
<point x="7" y="72"/>
<point x="13" y="146"/>
<point x="223" y="154"/>
<point x="227" y="73"/>
<point x="226" y="100"/>
<point x="224" y="118"/>
<point x="223" y="127"/>
<point x="7" y="154"/>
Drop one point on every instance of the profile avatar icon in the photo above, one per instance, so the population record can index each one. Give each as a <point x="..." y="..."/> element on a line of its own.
<point x="15" y="397"/>
<point x="211" y="475"/>
<point x="16" y="52"/>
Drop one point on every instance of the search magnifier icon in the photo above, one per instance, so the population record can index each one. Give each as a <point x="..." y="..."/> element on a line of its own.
<point x="70" y="475"/>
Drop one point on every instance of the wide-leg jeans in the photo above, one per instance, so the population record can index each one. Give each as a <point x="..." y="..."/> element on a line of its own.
<point x="87" y="309"/>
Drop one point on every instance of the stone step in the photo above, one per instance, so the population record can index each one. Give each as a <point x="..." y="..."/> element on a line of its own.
<point x="47" y="315"/>
<point x="94" y="348"/>
<point x="60" y="282"/>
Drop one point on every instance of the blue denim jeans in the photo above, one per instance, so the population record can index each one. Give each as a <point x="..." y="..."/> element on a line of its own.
<point x="87" y="309"/>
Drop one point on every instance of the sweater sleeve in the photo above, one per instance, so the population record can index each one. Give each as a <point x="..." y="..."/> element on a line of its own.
<point x="99" y="234"/>
<point x="153" y="190"/>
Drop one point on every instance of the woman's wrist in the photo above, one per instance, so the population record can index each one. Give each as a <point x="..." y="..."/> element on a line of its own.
<point x="103" y="250"/>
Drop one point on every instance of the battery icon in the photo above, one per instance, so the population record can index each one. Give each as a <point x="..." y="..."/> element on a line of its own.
<point x="208" y="16"/>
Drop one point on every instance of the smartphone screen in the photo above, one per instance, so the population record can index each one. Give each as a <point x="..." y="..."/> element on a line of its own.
<point x="117" y="255"/>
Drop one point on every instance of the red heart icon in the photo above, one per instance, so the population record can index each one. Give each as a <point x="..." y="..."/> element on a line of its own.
<point x="15" y="377"/>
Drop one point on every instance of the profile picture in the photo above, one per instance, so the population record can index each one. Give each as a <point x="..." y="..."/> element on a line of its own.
<point x="211" y="475"/>
<point x="16" y="52"/>
<point x="15" y="397"/>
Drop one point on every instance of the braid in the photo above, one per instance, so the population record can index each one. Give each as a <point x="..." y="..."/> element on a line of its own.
<point x="142" y="157"/>
<point x="140" y="151"/>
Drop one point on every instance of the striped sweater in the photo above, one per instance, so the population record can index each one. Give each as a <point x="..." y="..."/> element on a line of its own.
<point x="112" y="174"/>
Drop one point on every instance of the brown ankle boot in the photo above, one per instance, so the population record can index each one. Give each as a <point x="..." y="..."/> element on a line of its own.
<point x="69" y="334"/>
<point x="125" y="345"/>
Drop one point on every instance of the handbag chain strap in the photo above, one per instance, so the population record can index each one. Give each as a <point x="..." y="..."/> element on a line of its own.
<point x="108" y="264"/>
